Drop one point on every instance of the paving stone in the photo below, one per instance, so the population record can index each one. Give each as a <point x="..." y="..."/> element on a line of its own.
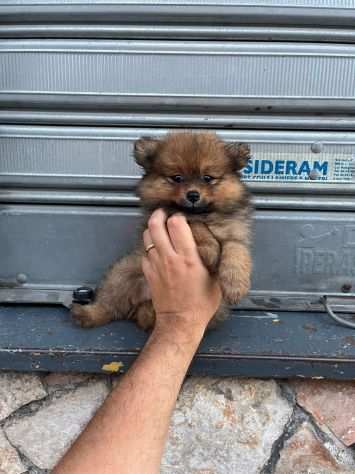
<point x="55" y="381"/>
<point x="224" y="426"/>
<point x="304" y="453"/>
<point x="17" y="390"/>
<point x="44" y="436"/>
<point x="331" y="403"/>
<point x="10" y="462"/>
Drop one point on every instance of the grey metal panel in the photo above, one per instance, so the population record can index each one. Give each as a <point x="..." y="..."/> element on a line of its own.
<point x="102" y="157"/>
<point x="175" y="75"/>
<point x="61" y="246"/>
<point x="298" y="256"/>
<point x="248" y="344"/>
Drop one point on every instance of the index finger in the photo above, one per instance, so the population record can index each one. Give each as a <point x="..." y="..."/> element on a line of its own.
<point x="159" y="233"/>
<point x="181" y="235"/>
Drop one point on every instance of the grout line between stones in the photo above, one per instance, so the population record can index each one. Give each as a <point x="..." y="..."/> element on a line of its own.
<point x="32" y="407"/>
<point x="300" y="415"/>
<point x="31" y="468"/>
<point x="329" y="440"/>
<point x="289" y="429"/>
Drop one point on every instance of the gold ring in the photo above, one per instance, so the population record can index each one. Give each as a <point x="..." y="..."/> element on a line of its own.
<point x="149" y="247"/>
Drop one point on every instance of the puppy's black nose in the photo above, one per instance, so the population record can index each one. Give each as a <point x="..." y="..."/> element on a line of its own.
<point x="193" y="196"/>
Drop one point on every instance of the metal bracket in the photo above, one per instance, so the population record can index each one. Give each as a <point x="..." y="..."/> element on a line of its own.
<point x="37" y="296"/>
<point x="344" y="322"/>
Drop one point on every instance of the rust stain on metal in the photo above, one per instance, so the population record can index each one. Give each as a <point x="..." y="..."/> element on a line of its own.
<point x="350" y="340"/>
<point x="309" y="327"/>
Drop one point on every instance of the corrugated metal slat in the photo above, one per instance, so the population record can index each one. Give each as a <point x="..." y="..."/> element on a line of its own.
<point x="82" y="156"/>
<point x="142" y="75"/>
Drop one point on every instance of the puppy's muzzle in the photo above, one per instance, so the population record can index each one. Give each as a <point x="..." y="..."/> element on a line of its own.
<point x="193" y="196"/>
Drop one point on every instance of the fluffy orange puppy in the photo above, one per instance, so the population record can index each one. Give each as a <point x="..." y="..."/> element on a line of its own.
<point x="198" y="175"/>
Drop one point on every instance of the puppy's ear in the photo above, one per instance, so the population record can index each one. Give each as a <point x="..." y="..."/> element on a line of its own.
<point x="145" y="150"/>
<point x="238" y="153"/>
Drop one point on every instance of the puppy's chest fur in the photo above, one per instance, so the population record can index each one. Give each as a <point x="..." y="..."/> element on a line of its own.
<point x="215" y="233"/>
<point x="222" y="228"/>
<point x="226" y="229"/>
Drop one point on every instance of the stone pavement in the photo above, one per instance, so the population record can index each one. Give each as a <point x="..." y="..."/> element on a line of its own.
<point x="220" y="425"/>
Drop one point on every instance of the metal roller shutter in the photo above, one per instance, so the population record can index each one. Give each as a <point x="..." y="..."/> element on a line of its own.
<point x="80" y="81"/>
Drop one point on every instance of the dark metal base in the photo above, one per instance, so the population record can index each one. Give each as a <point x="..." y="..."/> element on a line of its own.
<point x="249" y="344"/>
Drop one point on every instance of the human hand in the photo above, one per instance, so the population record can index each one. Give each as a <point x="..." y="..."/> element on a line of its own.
<point x="184" y="294"/>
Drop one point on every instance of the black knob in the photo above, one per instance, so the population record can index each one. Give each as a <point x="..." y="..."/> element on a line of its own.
<point x="83" y="295"/>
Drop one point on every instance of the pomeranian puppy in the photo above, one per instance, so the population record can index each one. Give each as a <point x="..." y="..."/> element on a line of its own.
<point x="196" y="174"/>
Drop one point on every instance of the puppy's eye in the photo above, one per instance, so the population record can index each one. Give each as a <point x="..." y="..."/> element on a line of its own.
<point x="207" y="178"/>
<point x="176" y="178"/>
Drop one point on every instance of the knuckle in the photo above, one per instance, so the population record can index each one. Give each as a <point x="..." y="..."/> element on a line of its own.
<point x="190" y="261"/>
<point x="170" y="260"/>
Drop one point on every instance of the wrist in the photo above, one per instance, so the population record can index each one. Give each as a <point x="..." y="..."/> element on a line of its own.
<point x="183" y="328"/>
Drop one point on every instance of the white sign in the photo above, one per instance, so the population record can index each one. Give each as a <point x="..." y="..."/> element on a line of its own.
<point x="325" y="168"/>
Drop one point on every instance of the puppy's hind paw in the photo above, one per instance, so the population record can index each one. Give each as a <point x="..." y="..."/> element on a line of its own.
<point x="90" y="315"/>
<point x="145" y="316"/>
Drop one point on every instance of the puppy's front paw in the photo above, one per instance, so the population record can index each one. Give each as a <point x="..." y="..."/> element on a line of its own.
<point x="207" y="245"/>
<point x="233" y="285"/>
<point x="90" y="315"/>
<point x="210" y="256"/>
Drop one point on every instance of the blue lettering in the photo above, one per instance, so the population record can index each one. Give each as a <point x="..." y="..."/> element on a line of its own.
<point x="288" y="169"/>
<point x="256" y="171"/>
<point x="322" y="167"/>
<point x="249" y="168"/>
<point x="304" y="168"/>
<point x="291" y="167"/>
<point x="279" y="167"/>
<point x="266" y="167"/>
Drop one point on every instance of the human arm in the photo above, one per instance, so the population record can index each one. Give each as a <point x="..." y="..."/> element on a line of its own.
<point x="128" y="433"/>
